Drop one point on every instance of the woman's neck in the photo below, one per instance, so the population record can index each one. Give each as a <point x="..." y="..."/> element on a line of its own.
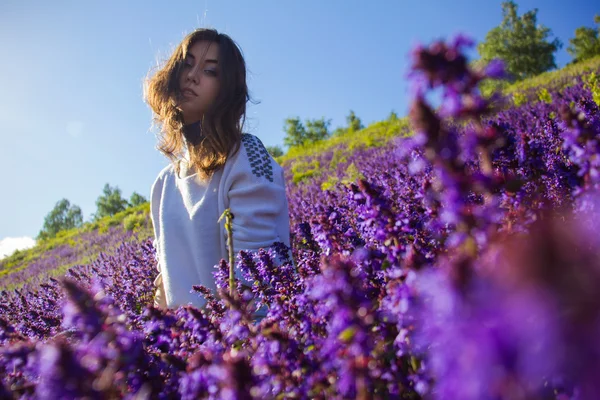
<point x="193" y="132"/>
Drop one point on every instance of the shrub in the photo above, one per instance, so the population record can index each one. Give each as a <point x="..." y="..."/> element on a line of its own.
<point x="134" y="221"/>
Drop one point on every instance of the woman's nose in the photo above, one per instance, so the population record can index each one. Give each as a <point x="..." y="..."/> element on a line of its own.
<point x="193" y="74"/>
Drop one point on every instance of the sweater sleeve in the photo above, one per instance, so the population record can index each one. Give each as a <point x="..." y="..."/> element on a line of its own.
<point x="257" y="198"/>
<point x="155" y="198"/>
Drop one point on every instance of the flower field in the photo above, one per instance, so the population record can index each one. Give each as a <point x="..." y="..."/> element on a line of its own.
<point x="459" y="262"/>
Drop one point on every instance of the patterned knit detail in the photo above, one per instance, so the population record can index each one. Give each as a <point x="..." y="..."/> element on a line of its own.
<point x="259" y="157"/>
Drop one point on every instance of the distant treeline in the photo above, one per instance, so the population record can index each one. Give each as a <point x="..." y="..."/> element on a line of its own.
<point x="66" y="216"/>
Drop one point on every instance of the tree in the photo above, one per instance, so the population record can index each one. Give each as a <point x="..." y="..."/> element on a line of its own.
<point x="317" y="129"/>
<point x="521" y="43"/>
<point x="275" y="151"/>
<point x="354" y="123"/>
<point x="62" y="217"/>
<point x="339" y="131"/>
<point x="586" y="43"/>
<point x="136" y="199"/>
<point x="297" y="135"/>
<point x="110" y="202"/>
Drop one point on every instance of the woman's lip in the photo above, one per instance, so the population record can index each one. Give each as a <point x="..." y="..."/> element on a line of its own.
<point x="188" y="92"/>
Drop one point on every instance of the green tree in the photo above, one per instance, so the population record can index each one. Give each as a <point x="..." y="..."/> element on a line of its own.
<point x="317" y="129"/>
<point x="354" y="123"/>
<point x="274" y="151"/>
<point x="136" y="199"/>
<point x="586" y="43"/>
<point x="521" y="43"/>
<point x="62" y="217"/>
<point x="295" y="133"/>
<point x="110" y="202"/>
<point x="339" y="131"/>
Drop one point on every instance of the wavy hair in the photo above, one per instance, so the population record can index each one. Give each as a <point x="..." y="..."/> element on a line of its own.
<point x="220" y="130"/>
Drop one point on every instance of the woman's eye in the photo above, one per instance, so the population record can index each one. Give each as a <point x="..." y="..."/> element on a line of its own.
<point x="211" y="72"/>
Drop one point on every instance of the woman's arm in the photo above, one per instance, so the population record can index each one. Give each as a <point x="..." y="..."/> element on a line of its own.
<point x="257" y="198"/>
<point x="160" y="300"/>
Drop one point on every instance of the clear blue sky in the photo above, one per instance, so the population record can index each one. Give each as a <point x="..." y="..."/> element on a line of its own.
<point x="72" y="117"/>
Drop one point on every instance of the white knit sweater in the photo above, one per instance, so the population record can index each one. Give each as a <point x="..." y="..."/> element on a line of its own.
<point x="189" y="241"/>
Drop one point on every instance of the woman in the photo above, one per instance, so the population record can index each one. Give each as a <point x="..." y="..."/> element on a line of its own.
<point x="198" y="99"/>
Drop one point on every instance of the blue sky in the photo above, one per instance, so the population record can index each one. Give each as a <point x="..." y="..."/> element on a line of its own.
<point x="72" y="117"/>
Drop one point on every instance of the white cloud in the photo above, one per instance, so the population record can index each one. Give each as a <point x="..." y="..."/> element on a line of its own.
<point x="9" y="245"/>
<point x="74" y="128"/>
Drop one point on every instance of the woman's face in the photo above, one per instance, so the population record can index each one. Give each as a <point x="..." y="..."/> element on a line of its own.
<point x="199" y="80"/>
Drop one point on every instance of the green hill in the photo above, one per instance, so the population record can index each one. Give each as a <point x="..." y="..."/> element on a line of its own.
<point x="79" y="246"/>
<point x="302" y="159"/>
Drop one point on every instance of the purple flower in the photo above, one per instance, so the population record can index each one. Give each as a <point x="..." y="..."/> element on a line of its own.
<point x="495" y="69"/>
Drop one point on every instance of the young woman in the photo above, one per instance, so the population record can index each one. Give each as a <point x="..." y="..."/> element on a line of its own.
<point x="198" y="99"/>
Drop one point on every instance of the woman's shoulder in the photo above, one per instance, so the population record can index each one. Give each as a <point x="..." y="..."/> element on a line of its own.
<point x="166" y="172"/>
<point x="254" y="156"/>
<point x="248" y="137"/>
<point x="255" y="149"/>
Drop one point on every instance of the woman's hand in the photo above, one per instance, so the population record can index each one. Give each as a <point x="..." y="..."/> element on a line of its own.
<point x="160" y="300"/>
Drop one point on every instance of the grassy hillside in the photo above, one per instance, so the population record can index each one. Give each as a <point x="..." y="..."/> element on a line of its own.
<point x="556" y="79"/>
<point x="302" y="159"/>
<point x="77" y="246"/>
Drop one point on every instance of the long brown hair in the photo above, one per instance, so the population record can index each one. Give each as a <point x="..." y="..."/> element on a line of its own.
<point x="220" y="130"/>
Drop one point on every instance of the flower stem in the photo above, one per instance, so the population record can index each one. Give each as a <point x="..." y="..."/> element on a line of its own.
<point x="228" y="227"/>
